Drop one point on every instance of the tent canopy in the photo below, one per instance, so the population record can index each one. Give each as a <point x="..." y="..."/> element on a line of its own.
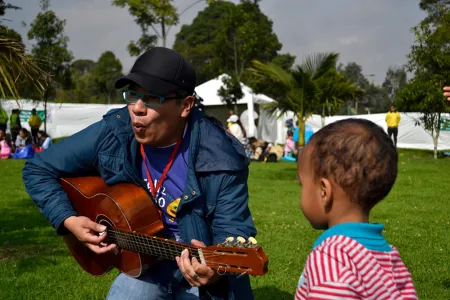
<point x="209" y="92"/>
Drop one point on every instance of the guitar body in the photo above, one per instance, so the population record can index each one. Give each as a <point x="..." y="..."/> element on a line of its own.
<point x="123" y="206"/>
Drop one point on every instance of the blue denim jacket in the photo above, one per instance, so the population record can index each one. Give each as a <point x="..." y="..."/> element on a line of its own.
<point x="214" y="204"/>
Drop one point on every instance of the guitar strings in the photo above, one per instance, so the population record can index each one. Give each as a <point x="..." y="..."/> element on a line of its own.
<point x="148" y="243"/>
<point x="166" y="250"/>
<point x="143" y="240"/>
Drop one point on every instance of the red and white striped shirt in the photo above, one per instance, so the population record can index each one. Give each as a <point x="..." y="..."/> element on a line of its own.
<point x="342" y="268"/>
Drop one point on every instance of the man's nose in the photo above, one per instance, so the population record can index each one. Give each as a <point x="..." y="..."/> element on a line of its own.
<point x="139" y="108"/>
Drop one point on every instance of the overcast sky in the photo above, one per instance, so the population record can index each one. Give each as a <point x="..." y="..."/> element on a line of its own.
<point x="373" y="33"/>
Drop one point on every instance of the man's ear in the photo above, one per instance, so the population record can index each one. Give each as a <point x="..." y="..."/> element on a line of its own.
<point x="188" y="104"/>
<point x="326" y="195"/>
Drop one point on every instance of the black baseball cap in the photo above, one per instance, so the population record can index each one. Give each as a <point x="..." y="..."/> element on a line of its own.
<point x="160" y="71"/>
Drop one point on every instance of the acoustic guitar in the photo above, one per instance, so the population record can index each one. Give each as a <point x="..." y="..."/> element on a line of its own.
<point x="134" y="224"/>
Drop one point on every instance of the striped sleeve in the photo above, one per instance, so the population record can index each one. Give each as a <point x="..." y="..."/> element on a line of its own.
<point x="324" y="277"/>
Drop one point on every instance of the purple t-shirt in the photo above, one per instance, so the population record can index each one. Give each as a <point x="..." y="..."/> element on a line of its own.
<point x="168" y="195"/>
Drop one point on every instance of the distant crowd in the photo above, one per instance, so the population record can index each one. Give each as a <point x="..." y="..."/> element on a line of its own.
<point x="260" y="150"/>
<point x="19" y="143"/>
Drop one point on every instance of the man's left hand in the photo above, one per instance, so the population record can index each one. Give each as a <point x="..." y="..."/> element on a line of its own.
<point x="194" y="272"/>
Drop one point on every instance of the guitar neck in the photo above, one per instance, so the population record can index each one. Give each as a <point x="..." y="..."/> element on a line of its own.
<point x="154" y="246"/>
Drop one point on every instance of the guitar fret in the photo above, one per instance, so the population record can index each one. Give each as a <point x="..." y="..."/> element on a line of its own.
<point x="166" y="248"/>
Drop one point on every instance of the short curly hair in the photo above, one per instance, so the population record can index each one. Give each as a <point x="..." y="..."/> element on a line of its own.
<point x="358" y="156"/>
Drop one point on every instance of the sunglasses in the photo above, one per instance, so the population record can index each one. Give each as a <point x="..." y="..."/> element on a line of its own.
<point x="150" y="100"/>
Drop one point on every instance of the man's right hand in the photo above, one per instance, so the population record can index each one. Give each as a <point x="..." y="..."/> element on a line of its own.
<point x="87" y="232"/>
<point x="447" y="92"/>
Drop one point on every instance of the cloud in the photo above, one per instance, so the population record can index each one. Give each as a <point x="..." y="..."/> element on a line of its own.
<point x="375" y="34"/>
<point x="348" y="40"/>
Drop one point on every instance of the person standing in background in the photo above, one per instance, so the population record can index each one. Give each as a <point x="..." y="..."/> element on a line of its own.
<point x="14" y="123"/>
<point x="3" y="119"/>
<point x="35" y="123"/>
<point x="392" y="121"/>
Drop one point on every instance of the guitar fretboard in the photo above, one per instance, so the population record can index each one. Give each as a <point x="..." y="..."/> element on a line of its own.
<point x="163" y="248"/>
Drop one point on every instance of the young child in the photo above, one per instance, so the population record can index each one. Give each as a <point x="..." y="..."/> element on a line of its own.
<point x="290" y="146"/>
<point x="345" y="170"/>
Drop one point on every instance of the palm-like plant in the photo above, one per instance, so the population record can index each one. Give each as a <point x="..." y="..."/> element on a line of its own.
<point x="17" y="68"/>
<point x="334" y="91"/>
<point x="298" y="90"/>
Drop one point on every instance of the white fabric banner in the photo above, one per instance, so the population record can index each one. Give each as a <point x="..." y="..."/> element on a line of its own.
<point x="67" y="119"/>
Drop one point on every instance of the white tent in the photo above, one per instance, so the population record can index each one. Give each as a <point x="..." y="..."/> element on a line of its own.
<point x="409" y="136"/>
<point x="67" y="119"/>
<point x="209" y="92"/>
<point x="64" y="119"/>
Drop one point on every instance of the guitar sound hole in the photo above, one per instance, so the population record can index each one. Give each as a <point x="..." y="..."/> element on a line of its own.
<point x="104" y="220"/>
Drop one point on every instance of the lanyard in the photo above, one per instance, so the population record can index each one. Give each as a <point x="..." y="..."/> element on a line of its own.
<point x="166" y="169"/>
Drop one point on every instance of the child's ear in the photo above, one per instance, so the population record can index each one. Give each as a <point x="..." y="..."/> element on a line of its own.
<point x="326" y="193"/>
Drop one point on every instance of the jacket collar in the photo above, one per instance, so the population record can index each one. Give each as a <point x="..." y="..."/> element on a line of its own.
<point x="212" y="148"/>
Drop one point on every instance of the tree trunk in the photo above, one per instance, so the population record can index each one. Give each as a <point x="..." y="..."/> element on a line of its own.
<point x="236" y="70"/>
<point x="45" y="115"/>
<point x="435" y="140"/>
<point x="323" y="115"/>
<point x="301" y="132"/>
<point x="437" y="130"/>
<point x="163" y="32"/>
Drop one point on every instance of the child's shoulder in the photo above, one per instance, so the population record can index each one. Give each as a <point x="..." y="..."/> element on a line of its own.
<point x="349" y="253"/>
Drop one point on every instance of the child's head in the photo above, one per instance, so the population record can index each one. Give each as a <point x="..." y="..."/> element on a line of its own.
<point x="23" y="132"/>
<point x="346" y="169"/>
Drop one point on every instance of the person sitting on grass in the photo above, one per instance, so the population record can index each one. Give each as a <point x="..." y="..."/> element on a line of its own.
<point x="345" y="170"/>
<point x="290" y="149"/>
<point x="23" y="139"/>
<point x="5" y="145"/>
<point x="44" y="140"/>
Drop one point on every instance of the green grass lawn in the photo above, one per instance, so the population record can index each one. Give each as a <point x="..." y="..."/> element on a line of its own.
<point x="35" y="264"/>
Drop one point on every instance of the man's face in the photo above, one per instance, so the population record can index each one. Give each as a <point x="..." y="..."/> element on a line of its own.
<point x="157" y="125"/>
<point x="392" y="108"/>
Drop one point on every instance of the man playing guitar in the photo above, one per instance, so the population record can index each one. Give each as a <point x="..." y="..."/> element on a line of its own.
<point x="195" y="172"/>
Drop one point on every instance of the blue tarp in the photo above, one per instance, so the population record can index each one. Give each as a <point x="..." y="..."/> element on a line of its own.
<point x="308" y="134"/>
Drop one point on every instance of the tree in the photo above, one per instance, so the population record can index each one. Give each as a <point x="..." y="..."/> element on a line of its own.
<point x="197" y="41"/>
<point x="148" y="14"/>
<point x="225" y="38"/>
<point x="395" y="80"/>
<point x="50" y="49"/>
<point x="376" y="99"/>
<point x="424" y="96"/>
<point x="334" y="91"/>
<point x="107" y="69"/>
<point x="299" y="88"/>
<point x="429" y="60"/>
<point x="82" y="66"/>
<point x="433" y="8"/>
<point x="17" y="69"/>
<point x="4" y="6"/>
<point x="353" y="72"/>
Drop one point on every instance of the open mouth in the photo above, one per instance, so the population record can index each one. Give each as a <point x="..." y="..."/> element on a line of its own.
<point x="139" y="127"/>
